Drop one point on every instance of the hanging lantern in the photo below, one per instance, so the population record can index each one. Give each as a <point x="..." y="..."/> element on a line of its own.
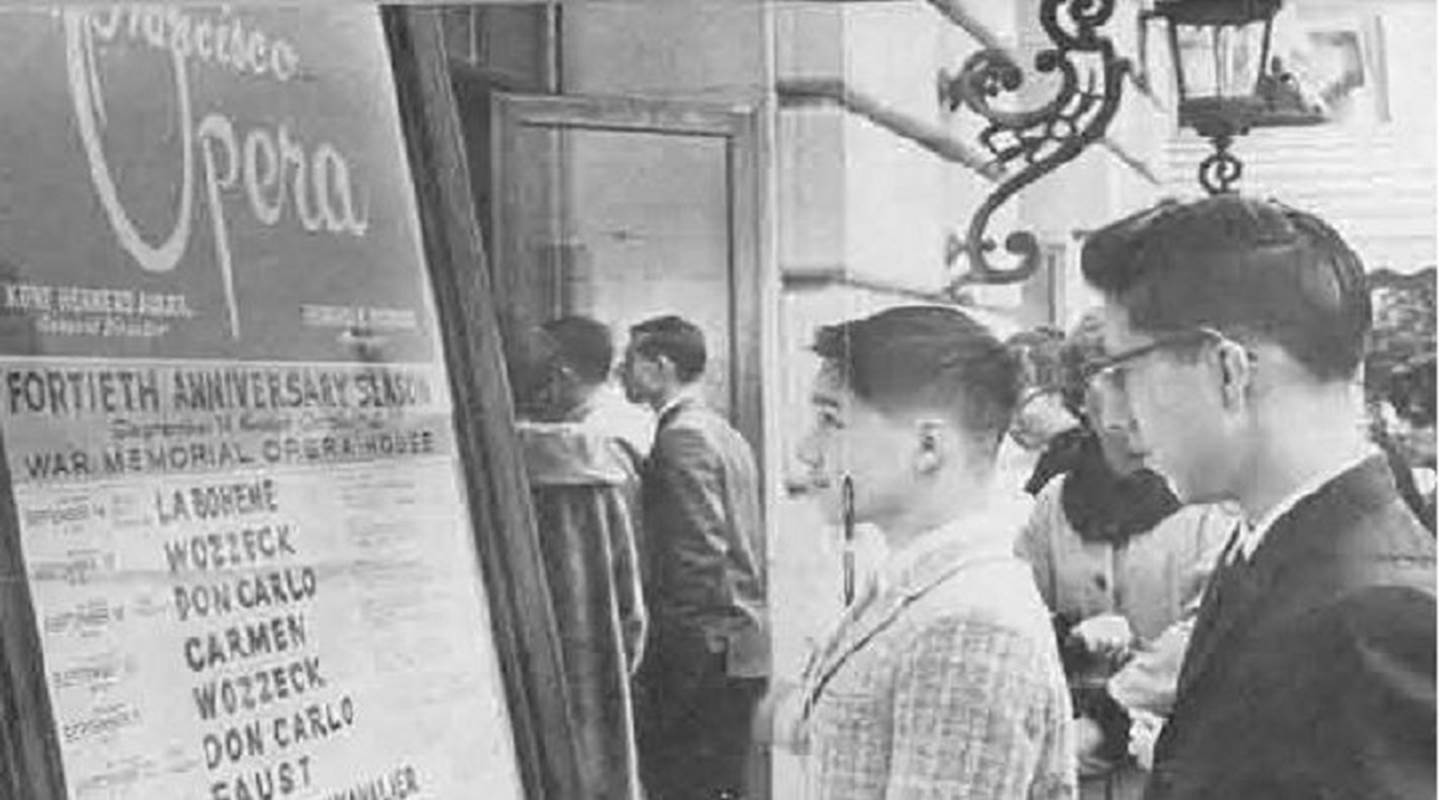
<point x="1227" y="78"/>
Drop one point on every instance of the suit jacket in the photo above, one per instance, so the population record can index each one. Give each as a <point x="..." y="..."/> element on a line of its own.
<point x="705" y="568"/>
<point x="944" y="684"/>
<point x="1311" y="670"/>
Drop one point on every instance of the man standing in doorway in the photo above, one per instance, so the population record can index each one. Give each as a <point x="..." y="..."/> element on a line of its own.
<point x="942" y="679"/>
<point x="1234" y="331"/>
<point x="709" y="658"/>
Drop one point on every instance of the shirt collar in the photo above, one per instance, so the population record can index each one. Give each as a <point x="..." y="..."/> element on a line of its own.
<point x="967" y="534"/>
<point x="684" y="395"/>
<point x="1252" y="534"/>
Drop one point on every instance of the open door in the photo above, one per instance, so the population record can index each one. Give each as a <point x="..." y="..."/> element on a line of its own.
<point x="624" y="208"/>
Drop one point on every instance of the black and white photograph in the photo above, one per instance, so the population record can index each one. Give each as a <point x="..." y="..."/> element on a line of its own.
<point x="718" y="400"/>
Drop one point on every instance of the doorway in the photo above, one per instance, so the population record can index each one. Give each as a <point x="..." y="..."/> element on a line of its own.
<point x="624" y="208"/>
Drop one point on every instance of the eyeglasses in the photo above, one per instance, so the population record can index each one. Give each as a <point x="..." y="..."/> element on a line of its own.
<point x="1033" y="394"/>
<point x="1109" y="374"/>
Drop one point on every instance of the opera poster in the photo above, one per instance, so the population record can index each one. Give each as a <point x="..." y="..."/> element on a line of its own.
<point x="226" y="416"/>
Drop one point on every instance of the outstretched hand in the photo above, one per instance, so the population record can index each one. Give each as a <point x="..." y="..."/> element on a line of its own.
<point x="1106" y="635"/>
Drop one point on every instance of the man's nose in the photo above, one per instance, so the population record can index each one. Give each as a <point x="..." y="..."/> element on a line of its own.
<point x="1114" y="412"/>
<point x="1125" y="425"/>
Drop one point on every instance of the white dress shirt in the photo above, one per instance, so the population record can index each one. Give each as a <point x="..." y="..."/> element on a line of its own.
<point x="1252" y="534"/>
<point x="691" y="392"/>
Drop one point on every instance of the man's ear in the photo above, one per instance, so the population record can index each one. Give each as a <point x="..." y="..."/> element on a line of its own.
<point x="932" y="442"/>
<point x="1237" y="373"/>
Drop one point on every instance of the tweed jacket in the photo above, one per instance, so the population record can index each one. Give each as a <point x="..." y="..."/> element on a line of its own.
<point x="943" y="683"/>
<point x="705" y="559"/>
<point x="1311" y="670"/>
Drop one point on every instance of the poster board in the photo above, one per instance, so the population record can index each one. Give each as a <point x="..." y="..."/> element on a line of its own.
<point x="236" y="496"/>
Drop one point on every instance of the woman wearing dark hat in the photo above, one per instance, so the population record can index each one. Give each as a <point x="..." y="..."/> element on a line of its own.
<point x="1121" y="566"/>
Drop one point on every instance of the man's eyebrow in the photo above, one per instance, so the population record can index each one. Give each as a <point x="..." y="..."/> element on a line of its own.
<point x="824" y="400"/>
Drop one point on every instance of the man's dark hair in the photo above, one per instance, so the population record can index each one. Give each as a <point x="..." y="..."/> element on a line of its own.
<point x="676" y="338"/>
<point x="532" y="358"/>
<point x="1243" y="266"/>
<point x="1083" y="348"/>
<point x="927" y="357"/>
<point x="585" y="345"/>
<point x="1411" y="391"/>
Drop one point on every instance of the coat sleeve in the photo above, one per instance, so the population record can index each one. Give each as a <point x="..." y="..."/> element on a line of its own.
<point x="978" y="713"/>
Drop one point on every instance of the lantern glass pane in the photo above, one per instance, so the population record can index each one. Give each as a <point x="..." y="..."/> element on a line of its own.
<point x="1221" y="60"/>
<point x="1239" y="59"/>
<point x="1197" y="60"/>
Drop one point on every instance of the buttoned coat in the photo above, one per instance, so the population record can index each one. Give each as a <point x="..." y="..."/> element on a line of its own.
<point x="1311" y="670"/>
<point x="706" y="557"/>
<point x="945" y="685"/>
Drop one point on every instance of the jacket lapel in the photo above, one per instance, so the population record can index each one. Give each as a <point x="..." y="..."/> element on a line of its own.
<point x="1231" y="599"/>
<point x="1198" y="648"/>
<point x="664" y="420"/>
<point x="887" y="607"/>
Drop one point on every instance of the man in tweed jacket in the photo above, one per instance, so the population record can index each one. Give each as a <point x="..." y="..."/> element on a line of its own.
<point x="941" y="680"/>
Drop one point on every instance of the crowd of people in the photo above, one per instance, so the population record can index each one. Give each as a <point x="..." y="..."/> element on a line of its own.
<point x="1225" y="587"/>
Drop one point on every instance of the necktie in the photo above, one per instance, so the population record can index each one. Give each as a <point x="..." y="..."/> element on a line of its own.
<point x="1233" y="569"/>
<point x="1226" y="582"/>
<point x="1235" y="548"/>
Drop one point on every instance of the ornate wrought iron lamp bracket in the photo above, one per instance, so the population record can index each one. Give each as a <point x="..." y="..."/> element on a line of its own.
<point x="1043" y="138"/>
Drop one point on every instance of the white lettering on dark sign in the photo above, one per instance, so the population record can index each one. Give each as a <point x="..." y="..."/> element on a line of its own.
<point x="270" y="165"/>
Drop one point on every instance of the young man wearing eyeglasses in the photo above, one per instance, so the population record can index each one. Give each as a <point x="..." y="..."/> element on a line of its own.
<point x="1234" y="331"/>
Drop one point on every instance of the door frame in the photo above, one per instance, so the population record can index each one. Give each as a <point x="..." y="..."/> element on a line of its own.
<point x="737" y="125"/>
<point x="527" y="639"/>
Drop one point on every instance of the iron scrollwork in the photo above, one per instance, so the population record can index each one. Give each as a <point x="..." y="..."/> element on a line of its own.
<point x="1045" y="137"/>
